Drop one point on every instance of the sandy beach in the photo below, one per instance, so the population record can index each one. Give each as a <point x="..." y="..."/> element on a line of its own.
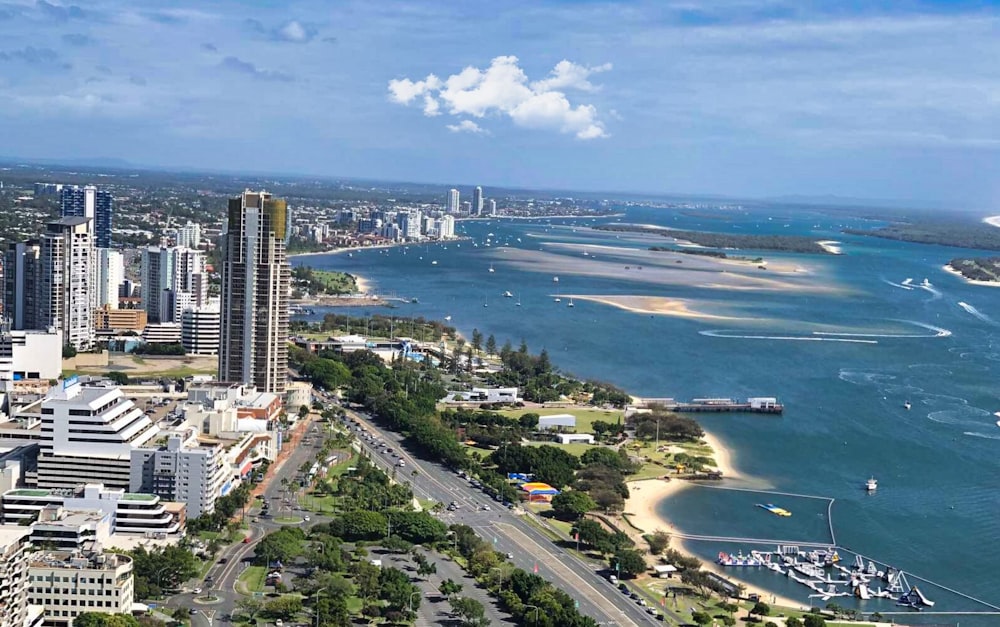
<point x="831" y="246"/>
<point x="641" y="508"/>
<point x="364" y="285"/>
<point x="656" y="305"/>
<point x="992" y="221"/>
<point x="950" y="270"/>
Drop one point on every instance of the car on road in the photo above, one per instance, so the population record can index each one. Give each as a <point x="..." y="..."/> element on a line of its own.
<point x="400" y="463"/>
<point x="510" y="556"/>
<point x="196" y="591"/>
<point x="192" y="611"/>
<point x="305" y="518"/>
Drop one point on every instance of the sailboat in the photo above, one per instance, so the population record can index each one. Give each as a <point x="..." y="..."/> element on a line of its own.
<point x="570" y="303"/>
<point x="871" y="485"/>
<point x="518" y="303"/>
<point x="491" y="268"/>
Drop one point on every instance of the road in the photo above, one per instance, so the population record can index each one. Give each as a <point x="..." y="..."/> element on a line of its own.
<point x="221" y="579"/>
<point x="532" y="550"/>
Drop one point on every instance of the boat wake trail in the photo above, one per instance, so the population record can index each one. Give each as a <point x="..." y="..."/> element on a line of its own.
<point x="899" y="285"/>
<point x="850" y="337"/>
<point x="975" y="312"/>
<point x="984" y="436"/>
<point x="796" y="338"/>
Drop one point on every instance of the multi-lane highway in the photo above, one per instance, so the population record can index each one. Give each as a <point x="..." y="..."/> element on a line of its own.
<point x="531" y="549"/>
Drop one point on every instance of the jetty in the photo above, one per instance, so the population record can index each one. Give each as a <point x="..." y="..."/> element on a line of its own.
<point x="754" y="405"/>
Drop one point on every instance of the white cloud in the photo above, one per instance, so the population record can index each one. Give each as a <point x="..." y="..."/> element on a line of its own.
<point x="503" y="89"/>
<point x="467" y="126"/>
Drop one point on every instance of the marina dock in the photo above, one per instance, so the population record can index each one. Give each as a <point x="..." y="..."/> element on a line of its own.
<point x="755" y="405"/>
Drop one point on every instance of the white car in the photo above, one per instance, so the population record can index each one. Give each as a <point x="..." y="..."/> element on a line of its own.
<point x="400" y="463"/>
<point x="196" y="591"/>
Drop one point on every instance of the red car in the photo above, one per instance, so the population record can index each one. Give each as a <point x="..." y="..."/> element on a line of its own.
<point x="246" y="540"/>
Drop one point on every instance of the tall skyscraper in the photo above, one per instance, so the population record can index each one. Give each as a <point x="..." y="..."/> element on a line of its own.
<point x="255" y="281"/>
<point x="189" y="235"/>
<point x="477" y="201"/>
<point x="93" y="203"/>
<point x="453" y="201"/>
<point x="493" y="207"/>
<point x="110" y="274"/>
<point x="67" y="296"/>
<point x="173" y="279"/>
<point x="22" y="265"/>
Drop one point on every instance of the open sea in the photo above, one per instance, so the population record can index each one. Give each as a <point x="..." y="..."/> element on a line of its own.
<point x="843" y="342"/>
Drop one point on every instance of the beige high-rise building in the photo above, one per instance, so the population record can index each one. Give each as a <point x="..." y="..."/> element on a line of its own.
<point x="255" y="281"/>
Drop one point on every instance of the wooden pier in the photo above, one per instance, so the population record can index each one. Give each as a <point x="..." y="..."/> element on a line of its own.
<point x="757" y="405"/>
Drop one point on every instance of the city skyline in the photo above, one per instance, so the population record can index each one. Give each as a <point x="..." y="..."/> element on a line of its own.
<point x="732" y="99"/>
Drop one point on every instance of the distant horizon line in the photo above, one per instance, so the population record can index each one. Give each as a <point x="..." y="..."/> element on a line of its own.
<point x="125" y="166"/>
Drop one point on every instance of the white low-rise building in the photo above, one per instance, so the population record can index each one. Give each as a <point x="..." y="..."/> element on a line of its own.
<point x="16" y="612"/>
<point x="69" y="583"/>
<point x="30" y="355"/>
<point x="185" y="469"/>
<point x="574" y="438"/>
<point x="144" y="514"/>
<point x="557" y="422"/>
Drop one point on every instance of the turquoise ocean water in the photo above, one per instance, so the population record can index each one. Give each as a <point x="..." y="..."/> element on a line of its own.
<point x="844" y="348"/>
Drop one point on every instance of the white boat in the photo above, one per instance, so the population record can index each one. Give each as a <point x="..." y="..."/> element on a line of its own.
<point x="570" y="303"/>
<point x="447" y="318"/>
<point x="555" y="279"/>
<point x="558" y="300"/>
<point x="434" y="263"/>
<point x="871" y="485"/>
<point x="906" y="405"/>
<point x="491" y="268"/>
<point x="507" y="294"/>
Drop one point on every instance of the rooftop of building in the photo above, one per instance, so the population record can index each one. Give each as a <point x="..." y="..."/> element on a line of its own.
<point x="95" y="559"/>
<point x="27" y="492"/>
<point x="70" y="221"/>
<point x="136" y="496"/>
<point x="12" y="533"/>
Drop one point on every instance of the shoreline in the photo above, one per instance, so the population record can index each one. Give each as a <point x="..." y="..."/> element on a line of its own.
<point x="831" y="246"/>
<point x="992" y="221"/>
<point x="642" y="512"/>
<point x="351" y="249"/>
<point x="951" y="270"/>
<point x="560" y="217"/>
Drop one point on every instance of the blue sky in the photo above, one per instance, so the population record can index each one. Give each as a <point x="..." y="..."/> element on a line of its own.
<point x="733" y="97"/>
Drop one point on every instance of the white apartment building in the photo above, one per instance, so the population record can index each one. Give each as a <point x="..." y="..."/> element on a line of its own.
<point x="62" y="530"/>
<point x="14" y="608"/>
<point x="30" y="354"/>
<point x="65" y="293"/>
<point x="69" y="583"/>
<point x="110" y="275"/>
<point x="446" y="227"/>
<point x="189" y="235"/>
<point x="173" y="278"/>
<point x="163" y="333"/>
<point x="87" y="435"/>
<point x="454" y="203"/>
<point x="201" y="328"/>
<point x="184" y="470"/>
<point x="130" y="513"/>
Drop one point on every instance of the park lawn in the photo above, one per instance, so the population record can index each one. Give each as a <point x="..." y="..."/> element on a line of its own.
<point x="252" y="579"/>
<point x="660" y="462"/>
<point x="340" y="468"/>
<point x="585" y="417"/>
<point x="336" y="282"/>
<point x="355" y="604"/>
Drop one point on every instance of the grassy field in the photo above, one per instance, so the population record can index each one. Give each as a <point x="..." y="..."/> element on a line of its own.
<point x="252" y="579"/>
<point x="585" y="417"/>
<point x="336" y="282"/>
<point x="661" y="462"/>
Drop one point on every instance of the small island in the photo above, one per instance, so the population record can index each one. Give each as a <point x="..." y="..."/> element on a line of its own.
<point x="782" y="243"/>
<point x="977" y="270"/>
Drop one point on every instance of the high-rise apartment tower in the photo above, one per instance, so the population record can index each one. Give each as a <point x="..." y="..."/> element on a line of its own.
<point x="255" y="281"/>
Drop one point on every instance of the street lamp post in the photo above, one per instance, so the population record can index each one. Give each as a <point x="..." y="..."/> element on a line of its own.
<point x="499" y="568"/>
<point x="409" y="602"/>
<point x="535" y="622"/>
<point x="316" y="609"/>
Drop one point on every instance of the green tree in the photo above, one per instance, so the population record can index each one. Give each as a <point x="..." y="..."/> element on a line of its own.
<point x="118" y="378"/>
<point x="760" y="609"/>
<point x="303" y="411"/>
<point x="572" y="504"/>
<point x="417" y="527"/>
<point x="95" y="619"/>
<point x="249" y="607"/>
<point x="284" y="607"/>
<point x="491" y="345"/>
<point x="477" y="340"/>
<point x="426" y="568"/>
<point x="628" y="562"/>
<point x="470" y="611"/>
<point x="282" y="545"/>
<point x="366" y="579"/>
<point x="812" y="620"/>
<point x="449" y="588"/>
<point x="701" y="618"/>
<point x="362" y="525"/>
<point x="793" y="621"/>
<point x="658" y="541"/>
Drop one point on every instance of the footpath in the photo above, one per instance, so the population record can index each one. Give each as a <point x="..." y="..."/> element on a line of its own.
<point x="294" y="438"/>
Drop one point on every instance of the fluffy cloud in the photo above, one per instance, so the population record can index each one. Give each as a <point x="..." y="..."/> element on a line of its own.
<point x="467" y="126"/>
<point x="503" y="89"/>
<point x="292" y="31"/>
<point x="236" y="64"/>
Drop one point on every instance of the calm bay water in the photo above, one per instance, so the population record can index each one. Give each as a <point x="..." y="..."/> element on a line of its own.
<point x="935" y="513"/>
